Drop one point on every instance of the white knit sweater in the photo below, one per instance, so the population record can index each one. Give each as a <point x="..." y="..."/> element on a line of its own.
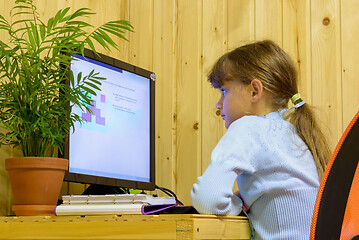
<point x="275" y="173"/>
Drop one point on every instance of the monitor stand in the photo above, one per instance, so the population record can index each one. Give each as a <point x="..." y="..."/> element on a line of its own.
<point x="98" y="189"/>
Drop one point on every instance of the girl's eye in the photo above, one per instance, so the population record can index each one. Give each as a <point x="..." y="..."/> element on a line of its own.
<point x="223" y="91"/>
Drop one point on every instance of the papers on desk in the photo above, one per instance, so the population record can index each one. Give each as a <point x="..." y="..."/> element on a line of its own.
<point x="117" y="204"/>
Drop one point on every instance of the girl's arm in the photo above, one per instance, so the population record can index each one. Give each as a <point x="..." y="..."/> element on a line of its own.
<point x="212" y="194"/>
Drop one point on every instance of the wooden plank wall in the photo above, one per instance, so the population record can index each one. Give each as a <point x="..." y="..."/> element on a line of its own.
<point x="179" y="40"/>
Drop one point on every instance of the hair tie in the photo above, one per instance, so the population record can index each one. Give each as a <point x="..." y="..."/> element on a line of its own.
<point x="295" y="98"/>
<point x="298" y="105"/>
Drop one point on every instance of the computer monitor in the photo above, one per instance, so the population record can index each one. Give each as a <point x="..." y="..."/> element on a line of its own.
<point x="115" y="144"/>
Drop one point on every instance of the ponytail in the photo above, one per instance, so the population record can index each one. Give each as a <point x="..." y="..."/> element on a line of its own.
<point x="309" y="131"/>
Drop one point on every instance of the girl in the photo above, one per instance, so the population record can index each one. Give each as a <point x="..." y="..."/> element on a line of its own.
<point x="278" y="164"/>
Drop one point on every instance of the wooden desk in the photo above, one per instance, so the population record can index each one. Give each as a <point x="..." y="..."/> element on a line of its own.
<point x="168" y="226"/>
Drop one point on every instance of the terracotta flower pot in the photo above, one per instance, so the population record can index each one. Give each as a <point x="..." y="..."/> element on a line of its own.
<point x="35" y="183"/>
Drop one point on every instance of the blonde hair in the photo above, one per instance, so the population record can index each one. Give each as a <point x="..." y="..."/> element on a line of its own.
<point x="267" y="62"/>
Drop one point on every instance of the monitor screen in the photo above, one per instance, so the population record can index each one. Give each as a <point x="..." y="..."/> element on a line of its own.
<point x="114" y="145"/>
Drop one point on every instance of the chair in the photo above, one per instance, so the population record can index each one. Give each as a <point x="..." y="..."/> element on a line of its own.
<point x="336" y="211"/>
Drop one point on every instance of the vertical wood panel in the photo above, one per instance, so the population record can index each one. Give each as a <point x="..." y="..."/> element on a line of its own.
<point x="141" y="17"/>
<point x="290" y="30"/>
<point x="164" y="66"/>
<point x="268" y="20"/>
<point x="326" y="65"/>
<point x="124" y="14"/>
<point x="304" y="48"/>
<point x="296" y="41"/>
<point x="188" y="96"/>
<point x="350" y="59"/>
<point x="241" y="23"/>
<point x="214" y="45"/>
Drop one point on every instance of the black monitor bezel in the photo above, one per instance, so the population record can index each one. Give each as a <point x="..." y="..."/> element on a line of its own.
<point x="122" y="183"/>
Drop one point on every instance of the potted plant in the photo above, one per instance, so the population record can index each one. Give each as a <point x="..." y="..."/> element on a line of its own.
<point x="35" y="109"/>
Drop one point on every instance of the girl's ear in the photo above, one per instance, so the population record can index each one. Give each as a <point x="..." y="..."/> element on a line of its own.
<point x="256" y="90"/>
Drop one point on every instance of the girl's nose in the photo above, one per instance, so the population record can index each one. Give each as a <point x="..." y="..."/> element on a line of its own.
<point x="219" y="104"/>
